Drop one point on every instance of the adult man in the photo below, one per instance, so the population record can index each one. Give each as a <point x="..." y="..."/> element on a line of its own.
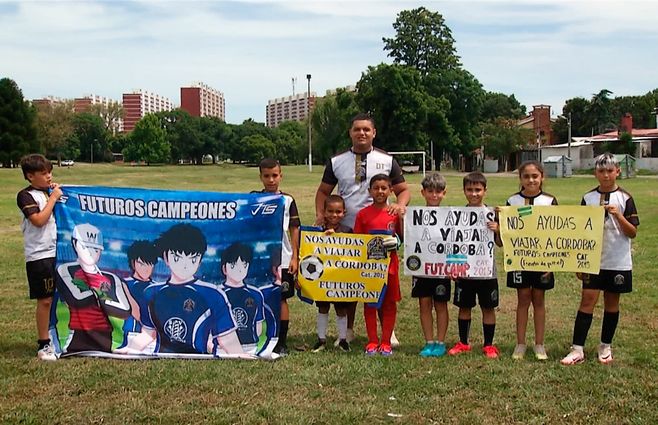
<point x="352" y="170"/>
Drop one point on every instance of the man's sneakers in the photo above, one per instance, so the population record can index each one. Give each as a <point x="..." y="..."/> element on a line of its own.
<point x="372" y="348"/>
<point x="459" y="348"/>
<point x="540" y="352"/>
<point x="319" y="346"/>
<point x="519" y="352"/>
<point x="605" y="353"/>
<point x="576" y="356"/>
<point x="491" y="351"/>
<point x="47" y="353"/>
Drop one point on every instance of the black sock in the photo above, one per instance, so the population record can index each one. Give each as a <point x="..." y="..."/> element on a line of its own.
<point x="488" y="331"/>
<point x="464" y="328"/>
<point x="609" y="326"/>
<point x="42" y="343"/>
<point x="581" y="328"/>
<point x="283" y="332"/>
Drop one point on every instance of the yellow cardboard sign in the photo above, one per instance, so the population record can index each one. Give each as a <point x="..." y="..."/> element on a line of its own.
<point x="342" y="266"/>
<point x="559" y="238"/>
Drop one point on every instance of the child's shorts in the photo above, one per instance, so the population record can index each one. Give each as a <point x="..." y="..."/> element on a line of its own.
<point x="536" y="280"/>
<point x="437" y="288"/>
<point x="40" y="277"/>
<point x="287" y="284"/>
<point x="486" y="291"/>
<point x="616" y="281"/>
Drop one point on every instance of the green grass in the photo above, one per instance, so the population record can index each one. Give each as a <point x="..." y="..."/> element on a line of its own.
<point x="330" y="387"/>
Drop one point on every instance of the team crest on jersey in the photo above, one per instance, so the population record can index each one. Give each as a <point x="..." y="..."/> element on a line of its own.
<point x="376" y="249"/>
<point x="249" y="302"/>
<point x="188" y="305"/>
<point x="105" y="287"/>
<point x="619" y="280"/>
<point x="176" y="329"/>
<point x="241" y="317"/>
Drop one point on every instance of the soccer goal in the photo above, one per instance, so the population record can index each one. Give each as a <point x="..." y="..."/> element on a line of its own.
<point x="411" y="168"/>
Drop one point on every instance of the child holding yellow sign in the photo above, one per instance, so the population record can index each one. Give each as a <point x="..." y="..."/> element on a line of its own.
<point x="530" y="286"/>
<point x="615" y="277"/>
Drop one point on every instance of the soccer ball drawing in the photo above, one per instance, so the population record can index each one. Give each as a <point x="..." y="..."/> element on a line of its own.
<point x="311" y="267"/>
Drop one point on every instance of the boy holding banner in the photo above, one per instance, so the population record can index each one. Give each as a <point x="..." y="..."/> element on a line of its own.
<point x="376" y="218"/>
<point x="486" y="290"/>
<point x="432" y="291"/>
<point x="615" y="276"/>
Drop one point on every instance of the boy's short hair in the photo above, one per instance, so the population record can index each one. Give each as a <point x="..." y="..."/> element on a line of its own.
<point x="235" y="251"/>
<point x="434" y="181"/>
<point x="142" y="250"/>
<point x="474" y="178"/>
<point x="183" y="238"/>
<point x="606" y="160"/>
<point x="268" y="163"/>
<point x="362" y="116"/>
<point x="34" y="163"/>
<point x="380" y="177"/>
<point x="333" y="199"/>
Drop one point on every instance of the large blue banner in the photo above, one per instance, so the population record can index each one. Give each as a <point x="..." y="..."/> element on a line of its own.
<point x="156" y="273"/>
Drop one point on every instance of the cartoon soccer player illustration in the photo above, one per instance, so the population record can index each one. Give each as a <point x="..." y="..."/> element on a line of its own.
<point x="185" y="314"/>
<point x="142" y="258"/>
<point x="91" y="294"/>
<point x="247" y="302"/>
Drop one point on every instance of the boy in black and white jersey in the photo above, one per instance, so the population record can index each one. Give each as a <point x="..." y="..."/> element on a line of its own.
<point x="615" y="276"/>
<point x="40" y="235"/>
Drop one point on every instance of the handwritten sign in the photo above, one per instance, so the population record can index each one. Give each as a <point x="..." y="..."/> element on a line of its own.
<point x="552" y="238"/>
<point x="342" y="267"/>
<point x="448" y="242"/>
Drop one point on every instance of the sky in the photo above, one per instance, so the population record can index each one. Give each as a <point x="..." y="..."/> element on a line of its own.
<point x="543" y="52"/>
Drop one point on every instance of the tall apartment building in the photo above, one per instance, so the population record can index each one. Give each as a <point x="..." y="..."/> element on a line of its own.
<point x="84" y="103"/>
<point x="139" y="103"/>
<point x="47" y="101"/>
<point x="201" y="100"/>
<point x="290" y="108"/>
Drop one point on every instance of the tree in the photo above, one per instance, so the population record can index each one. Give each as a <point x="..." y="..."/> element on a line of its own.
<point x="625" y="145"/>
<point x="54" y="124"/>
<point x="330" y="122"/>
<point x="111" y="114"/>
<point x="423" y="41"/>
<point x="599" y="110"/>
<point x="499" y="105"/>
<point x="91" y="137"/>
<point x="290" y="139"/>
<point x="148" y="142"/>
<point x="502" y="137"/>
<point x="17" y="130"/>
<point x="256" y="147"/>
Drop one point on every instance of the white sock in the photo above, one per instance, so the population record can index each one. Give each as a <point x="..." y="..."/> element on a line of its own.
<point x="341" y="322"/>
<point x="578" y="348"/>
<point x="322" y="322"/>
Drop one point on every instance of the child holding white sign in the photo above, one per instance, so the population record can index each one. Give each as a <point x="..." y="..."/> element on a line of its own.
<point x="616" y="275"/>
<point x="433" y="293"/>
<point x="486" y="290"/>
<point x="530" y="286"/>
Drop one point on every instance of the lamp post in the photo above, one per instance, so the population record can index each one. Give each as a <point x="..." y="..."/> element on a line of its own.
<point x="308" y="118"/>
<point x="569" y="136"/>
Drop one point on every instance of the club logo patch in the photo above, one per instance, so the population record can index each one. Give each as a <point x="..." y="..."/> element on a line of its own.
<point x="619" y="280"/>
<point x="241" y="317"/>
<point x="188" y="305"/>
<point x="175" y="329"/>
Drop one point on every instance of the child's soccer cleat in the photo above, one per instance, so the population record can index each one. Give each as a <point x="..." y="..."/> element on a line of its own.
<point x="394" y="340"/>
<point x="427" y="350"/>
<point x="350" y="337"/>
<point x="371" y="349"/>
<point x="491" y="351"/>
<point x="540" y="352"/>
<point x="574" y="357"/>
<point x="385" y="350"/>
<point x="439" y="350"/>
<point x="605" y="354"/>
<point x="459" y="348"/>
<point x="343" y="345"/>
<point x="319" y="346"/>
<point x="519" y="352"/>
<point x="47" y="353"/>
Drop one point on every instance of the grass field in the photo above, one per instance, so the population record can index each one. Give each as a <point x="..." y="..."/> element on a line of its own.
<point x="332" y="387"/>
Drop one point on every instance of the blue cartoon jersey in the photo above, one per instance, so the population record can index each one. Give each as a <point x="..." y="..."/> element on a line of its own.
<point x="136" y="288"/>
<point x="186" y="315"/>
<point x="247" y="306"/>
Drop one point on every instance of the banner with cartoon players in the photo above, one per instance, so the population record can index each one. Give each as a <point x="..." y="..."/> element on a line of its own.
<point x="154" y="273"/>
<point x="559" y="238"/>
<point x="448" y="242"/>
<point x="342" y="267"/>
